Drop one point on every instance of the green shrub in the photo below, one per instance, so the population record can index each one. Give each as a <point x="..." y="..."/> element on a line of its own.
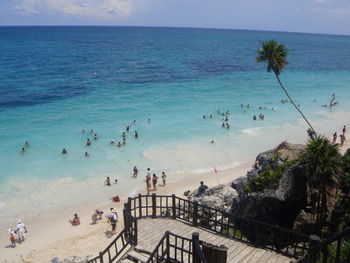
<point x="268" y="178"/>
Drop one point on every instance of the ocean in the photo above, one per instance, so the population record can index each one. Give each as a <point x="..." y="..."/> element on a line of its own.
<point x="57" y="81"/>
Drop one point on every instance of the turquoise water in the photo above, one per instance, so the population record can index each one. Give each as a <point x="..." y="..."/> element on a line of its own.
<point x="56" y="81"/>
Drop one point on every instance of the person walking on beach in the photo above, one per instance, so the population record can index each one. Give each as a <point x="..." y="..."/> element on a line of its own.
<point x="12" y="237"/>
<point x="335" y="137"/>
<point x="135" y="171"/>
<point x="154" y="182"/>
<point x="113" y="218"/>
<point x="21" y="230"/>
<point x="342" y="139"/>
<point x="164" y="178"/>
<point x="149" y="175"/>
<point x="344" y="130"/>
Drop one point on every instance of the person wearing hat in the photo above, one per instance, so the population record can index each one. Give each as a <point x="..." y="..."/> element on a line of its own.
<point x="113" y="218"/>
<point x="21" y="230"/>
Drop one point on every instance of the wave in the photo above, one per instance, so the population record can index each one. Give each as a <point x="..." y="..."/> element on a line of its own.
<point x="258" y="130"/>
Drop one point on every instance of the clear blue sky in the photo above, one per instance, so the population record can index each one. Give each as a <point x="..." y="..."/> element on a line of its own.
<point x="316" y="16"/>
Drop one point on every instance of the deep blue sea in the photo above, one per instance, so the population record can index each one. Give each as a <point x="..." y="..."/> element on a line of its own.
<point x="57" y="81"/>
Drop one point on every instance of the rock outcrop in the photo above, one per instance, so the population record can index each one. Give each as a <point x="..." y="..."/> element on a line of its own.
<point x="277" y="207"/>
<point x="221" y="196"/>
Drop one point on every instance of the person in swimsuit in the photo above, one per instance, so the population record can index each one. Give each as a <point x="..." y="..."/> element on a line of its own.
<point x="136" y="134"/>
<point x="154" y="181"/>
<point x="164" y="178"/>
<point x="108" y="181"/>
<point x="75" y="221"/>
<point x="64" y="151"/>
<point x="88" y="142"/>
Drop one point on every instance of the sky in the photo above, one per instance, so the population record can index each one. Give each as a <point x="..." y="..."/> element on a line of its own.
<point x="313" y="16"/>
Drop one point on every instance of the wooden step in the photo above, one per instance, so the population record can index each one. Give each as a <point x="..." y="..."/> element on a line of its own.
<point x="136" y="257"/>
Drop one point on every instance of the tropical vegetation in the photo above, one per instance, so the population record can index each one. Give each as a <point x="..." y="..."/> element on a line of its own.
<point x="275" y="55"/>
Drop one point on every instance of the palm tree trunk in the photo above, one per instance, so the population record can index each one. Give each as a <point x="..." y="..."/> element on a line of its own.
<point x="279" y="81"/>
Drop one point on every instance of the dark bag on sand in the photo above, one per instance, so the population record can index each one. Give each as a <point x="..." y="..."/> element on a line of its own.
<point x="116" y="198"/>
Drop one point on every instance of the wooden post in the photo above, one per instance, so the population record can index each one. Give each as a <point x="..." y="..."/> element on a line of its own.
<point x="125" y="217"/>
<point x="129" y="204"/>
<point x="140" y="206"/>
<point x="313" y="240"/>
<point x="195" y="213"/>
<point x="154" y="205"/>
<point x="101" y="257"/>
<point x="195" y="238"/>
<point x="174" y="206"/>
<point x="214" y="254"/>
<point x="135" y="234"/>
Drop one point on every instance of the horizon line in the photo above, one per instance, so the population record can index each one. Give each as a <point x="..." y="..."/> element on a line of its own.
<point x="182" y="27"/>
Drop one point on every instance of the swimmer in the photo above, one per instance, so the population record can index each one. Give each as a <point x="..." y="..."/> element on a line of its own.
<point x="119" y="144"/>
<point x="260" y="108"/>
<point x="92" y="131"/>
<point x="88" y="142"/>
<point x="134" y="121"/>
<point x="26" y="143"/>
<point x="203" y="116"/>
<point x="123" y="135"/>
<point x="95" y="136"/>
<point x="241" y="105"/>
<point x="223" y="125"/>
<point x="254" y="118"/>
<point x="212" y="142"/>
<point x="226" y="119"/>
<point x="112" y="142"/>
<point x="82" y="131"/>
<point x="124" y="141"/>
<point x="23" y="150"/>
<point x="136" y="134"/>
<point x="115" y="181"/>
<point x="149" y="120"/>
<point x="210" y="116"/>
<point x="87" y="154"/>
<point x="64" y="151"/>
<point x="127" y="128"/>
<point x="227" y="126"/>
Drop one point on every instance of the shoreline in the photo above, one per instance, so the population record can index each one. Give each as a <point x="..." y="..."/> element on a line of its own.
<point x="50" y="234"/>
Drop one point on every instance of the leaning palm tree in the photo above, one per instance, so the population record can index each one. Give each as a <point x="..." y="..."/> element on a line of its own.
<point x="275" y="54"/>
<point x="323" y="162"/>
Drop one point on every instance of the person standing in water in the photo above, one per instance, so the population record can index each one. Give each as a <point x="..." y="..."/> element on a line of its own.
<point x="136" y="134"/>
<point x="108" y="181"/>
<point x="135" y="171"/>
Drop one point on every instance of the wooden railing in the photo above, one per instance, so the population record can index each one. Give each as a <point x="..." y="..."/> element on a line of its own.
<point x="175" y="248"/>
<point x="128" y="236"/>
<point x="335" y="249"/>
<point x="257" y="233"/>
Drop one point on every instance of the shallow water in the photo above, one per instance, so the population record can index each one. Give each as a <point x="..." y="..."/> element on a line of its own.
<point x="57" y="81"/>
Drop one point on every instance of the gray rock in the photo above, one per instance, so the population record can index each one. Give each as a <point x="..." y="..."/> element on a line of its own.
<point x="277" y="207"/>
<point x="239" y="183"/>
<point x="221" y="196"/>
